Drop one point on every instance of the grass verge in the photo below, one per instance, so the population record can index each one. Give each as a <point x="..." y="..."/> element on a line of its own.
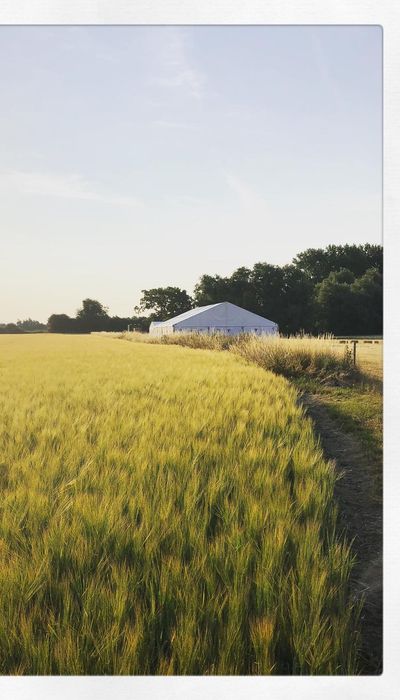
<point x="348" y="422"/>
<point x="358" y="411"/>
<point x="291" y="357"/>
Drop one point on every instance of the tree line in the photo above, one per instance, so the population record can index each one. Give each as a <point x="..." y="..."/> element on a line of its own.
<point x="337" y="289"/>
<point x="93" y="316"/>
<point x="26" y="326"/>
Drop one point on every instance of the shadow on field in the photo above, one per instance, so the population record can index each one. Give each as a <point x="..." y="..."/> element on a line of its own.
<point x="360" y="516"/>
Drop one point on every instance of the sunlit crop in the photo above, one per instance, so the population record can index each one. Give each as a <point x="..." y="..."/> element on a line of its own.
<point x="163" y="511"/>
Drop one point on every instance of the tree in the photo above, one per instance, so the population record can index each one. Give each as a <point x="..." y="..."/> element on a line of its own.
<point x="267" y="283"/>
<point x="296" y="312"/>
<point x="338" y="307"/>
<point x="135" y="323"/>
<point x="318" y="263"/>
<point x="369" y="289"/>
<point x="61" y="323"/>
<point x="282" y="294"/>
<point x="30" y="325"/>
<point x="140" y="323"/>
<point x="92" y="309"/>
<point x="164" y="302"/>
<point x="10" y="328"/>
<point x="93" y="316"/>
<point x="210" y="290"/>
<point x="237" y="289"/>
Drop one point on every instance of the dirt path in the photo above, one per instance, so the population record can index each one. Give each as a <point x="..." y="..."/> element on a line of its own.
<point x="360" y="516"/>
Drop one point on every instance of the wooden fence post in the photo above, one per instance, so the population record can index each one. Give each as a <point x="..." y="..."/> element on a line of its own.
<point x="354" y="351"/>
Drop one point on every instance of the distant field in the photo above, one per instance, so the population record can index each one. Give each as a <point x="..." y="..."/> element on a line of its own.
<point x="369" y="356"/>
<point x="163" y="510"/>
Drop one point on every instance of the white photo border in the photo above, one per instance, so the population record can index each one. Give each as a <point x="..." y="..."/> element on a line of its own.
<point x="265" y="12"/>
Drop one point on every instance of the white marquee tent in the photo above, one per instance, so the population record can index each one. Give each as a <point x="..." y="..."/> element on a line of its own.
<point x="223" y="317"/>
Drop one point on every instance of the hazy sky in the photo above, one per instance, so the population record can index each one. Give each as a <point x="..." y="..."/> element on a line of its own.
<point x="135" y="157"/>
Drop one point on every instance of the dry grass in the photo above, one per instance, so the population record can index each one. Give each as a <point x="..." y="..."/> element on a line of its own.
<point x="163" y="511"/>
<point x="290" y="357"/>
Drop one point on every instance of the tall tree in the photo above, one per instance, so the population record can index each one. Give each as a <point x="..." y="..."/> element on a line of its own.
<point x="210" y="290"/>
<point x="297" y="307"/>
<point x="237" y="289"/>
<point x="93" y="316"/>
<point x="267" y="282"/>
<point x="338" y="307"/>
<point x="369" y="290"/>
<point x="92" y="309"/>
<point x="317" y="263"/>
<point x="164" y="302"/>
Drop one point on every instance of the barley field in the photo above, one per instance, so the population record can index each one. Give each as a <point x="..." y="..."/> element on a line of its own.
<point x="163" y="511"/>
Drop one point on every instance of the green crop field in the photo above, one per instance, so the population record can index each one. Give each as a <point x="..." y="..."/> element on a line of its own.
<point x="163" y="511"/>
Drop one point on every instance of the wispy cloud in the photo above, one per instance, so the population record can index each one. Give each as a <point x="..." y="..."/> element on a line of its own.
<point x="249" y="198"/>
<point x="322" y="64"/>
<point x="69" y="186"/>
<point x="179" y="72"/>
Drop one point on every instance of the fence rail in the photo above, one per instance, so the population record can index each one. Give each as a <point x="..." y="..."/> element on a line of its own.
<point x="359" y="338"/>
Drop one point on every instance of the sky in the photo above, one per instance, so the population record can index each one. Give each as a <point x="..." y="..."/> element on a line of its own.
<point x="138" y="157"/>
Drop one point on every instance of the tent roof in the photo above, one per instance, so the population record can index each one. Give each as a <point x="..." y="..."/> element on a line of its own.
<point x="227" y="306"/>
<point x="188" y="314"/>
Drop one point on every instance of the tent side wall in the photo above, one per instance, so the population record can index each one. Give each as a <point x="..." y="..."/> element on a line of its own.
<point x="230" y="330"/>
<point x="218" y="318"/>
<point x="227" y="318"/>
<point x="160" y="330"/>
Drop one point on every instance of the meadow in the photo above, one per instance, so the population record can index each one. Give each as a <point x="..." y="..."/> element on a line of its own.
<point x="164" y="510"/>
